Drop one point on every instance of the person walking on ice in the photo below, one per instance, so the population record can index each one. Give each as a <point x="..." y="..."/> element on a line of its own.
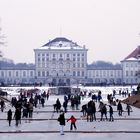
<point x="111" y="113"/>
<point x="73" y="122"/>
<point x="9" y="116"/>
<point x="119" y="108"/>
<point x="61" y="120"/>
<point x="128" y="108"/>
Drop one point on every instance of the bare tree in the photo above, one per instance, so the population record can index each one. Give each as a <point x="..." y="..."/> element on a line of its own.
<point x="2" y="43"/>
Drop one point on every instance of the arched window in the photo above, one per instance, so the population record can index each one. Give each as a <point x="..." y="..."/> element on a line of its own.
<point x="68" y="65"/>
<point x="61" y="73"/>
<point x="53" y="73"/>
<point x="61" y="65"/>
<point x="68" y="73"/>
<point x="53" y="65"/>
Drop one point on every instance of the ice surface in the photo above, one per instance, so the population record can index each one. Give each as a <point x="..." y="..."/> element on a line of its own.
<point x="49" y="125"/>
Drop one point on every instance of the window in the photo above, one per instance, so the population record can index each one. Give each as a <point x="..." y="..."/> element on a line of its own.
<point x="31" y="73"/>
<point x="97" y="73"/>
<point x="17" y="74"/>
<point x="61" y="59"/>
<point x="78" y="59"/>
<point x="9" y="73"/>
<point x="68" y="73"/>
<point x="74" y="73"/>
<point x="82" y="59"/>
<point x="73" y="59"/>
<point x="2" y="74"/>
<point x="53" y="55"/>
<point x="74" y="54"/>
<point x="131" y="73"/>
<point x="53" y="59"/>
<point x="78" y="65"/>
<point x="39" y="73"/>
<point x="38" y="59"/>
<point x="47" y="73"/>
<point x="83" y="65"/>
<point x="104" y="73"/>
<point x="82" y="54"/>
<point x="39" y="65"/>
<point x="83" y="74"/>
<point x="47" y="65"/>
<point x="118" y="73"/>
<point x="74" y="65"/>
<point x="43" y="59"/>
<point x="61" y="73"/>
<point x="68" y="65"/>
<point x="126" y="73"/>
<point x="61" y="65"/>
<point x="60" y="55"/>
<point x="78" y="73"/>
<point x="24" y="73"/>
<point x="43" y="73"/>
<point x="78" y="54"/>
<point x="67" y="55"/>
<point x="43" y="64"/>
<point x="53" y="65"/>
<point x="111" y="73"/>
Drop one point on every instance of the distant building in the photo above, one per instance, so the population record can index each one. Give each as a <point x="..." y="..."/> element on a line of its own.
<point x="61" y="62"/>
<point x="131" y="67"/>
<point x="12" y="75"/>
<point x="64" y="62"/>
<point x="104" y="75"/>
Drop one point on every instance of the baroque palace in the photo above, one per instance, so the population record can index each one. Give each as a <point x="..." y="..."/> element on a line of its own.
<point x="63" y="62"/>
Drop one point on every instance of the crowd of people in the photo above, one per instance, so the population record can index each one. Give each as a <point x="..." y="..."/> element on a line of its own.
<point x="24" y="107"/>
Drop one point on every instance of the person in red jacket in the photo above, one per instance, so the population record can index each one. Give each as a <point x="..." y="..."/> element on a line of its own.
<point x="73" y="122"/>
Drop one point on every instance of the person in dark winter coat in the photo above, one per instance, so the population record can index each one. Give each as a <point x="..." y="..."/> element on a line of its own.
<point x="42" y="101"/>
<point x="119" y="108"/>
<point x="17" y="116"/>
<point x="89" y="114"/>
<point x="58" y="105"/>
<point x="9" y="116"/>
<point x="48" y="96"/>
<point x="84" y="109"/>
<point x="73" y="121"/>
<point x="128" y="108"/>
<point x="93" y="107"/>
<point x="103" y="112"/>
<point x="111" y="113"/>
<point x="61" y="120"/>
<point x="65" y="104"/>
<point x="2" y="103"/>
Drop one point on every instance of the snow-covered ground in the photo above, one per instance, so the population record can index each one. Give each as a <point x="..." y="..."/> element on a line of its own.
<point x="124" y="127"/>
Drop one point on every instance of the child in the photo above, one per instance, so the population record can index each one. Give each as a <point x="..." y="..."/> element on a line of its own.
<point x="73" y="120"/>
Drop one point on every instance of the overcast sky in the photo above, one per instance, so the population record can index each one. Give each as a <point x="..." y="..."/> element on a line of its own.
<point x="109" y="28"/>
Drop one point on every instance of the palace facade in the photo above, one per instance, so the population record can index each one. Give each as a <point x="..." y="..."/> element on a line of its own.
<point x="64" y="62"/>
